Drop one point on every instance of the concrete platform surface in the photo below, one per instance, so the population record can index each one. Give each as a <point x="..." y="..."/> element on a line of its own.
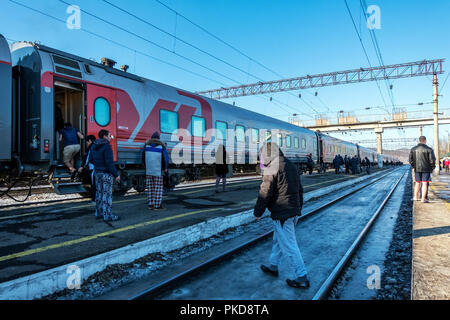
<point x="431" y="243"/>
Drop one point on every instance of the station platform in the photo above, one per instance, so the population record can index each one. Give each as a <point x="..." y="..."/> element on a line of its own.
<point x="431" y="243"/>
<point x="39" y="243"/>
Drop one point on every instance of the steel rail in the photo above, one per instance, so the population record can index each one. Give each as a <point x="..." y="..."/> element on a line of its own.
<point x="159" y="287"/>
<point x="323" y="291"/>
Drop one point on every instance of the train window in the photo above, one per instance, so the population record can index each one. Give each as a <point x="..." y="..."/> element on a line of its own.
<point x="168" y="121"/>
<point x="198" y="126"/>
<point x="221" y="132"/>
<point x="280" y="139"/>
<point x="303" y="143"/>
<point x="288" y="141"/>
<point x="255" y="135"/>
<point x="66" y="62"/>
<point x="87" y="68"/>
<point x="268" y="136"/>
<point x="240" y="133"/>
<point x="102" y="112"/>
<point x="296" y="144"/>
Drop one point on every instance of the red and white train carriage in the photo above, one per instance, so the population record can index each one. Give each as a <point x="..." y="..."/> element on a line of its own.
<point x="96" y="96"/>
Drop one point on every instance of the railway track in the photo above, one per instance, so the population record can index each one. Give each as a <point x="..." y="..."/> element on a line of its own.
<point x="162" y="287"/>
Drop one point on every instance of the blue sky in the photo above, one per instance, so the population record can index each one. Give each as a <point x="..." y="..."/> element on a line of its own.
<point x="292" y="38"/>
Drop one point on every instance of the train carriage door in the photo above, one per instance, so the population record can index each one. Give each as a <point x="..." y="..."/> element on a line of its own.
<point x="101" y="113"/>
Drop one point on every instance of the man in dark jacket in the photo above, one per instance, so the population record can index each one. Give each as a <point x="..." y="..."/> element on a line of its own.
<point x="281" y="193"/>
<point x="101" y="156"/>
<point x="423" y="162"/>
<point x="336" y="164"/>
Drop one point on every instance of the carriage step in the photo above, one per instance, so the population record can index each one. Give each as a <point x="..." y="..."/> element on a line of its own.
<point x="68" y="188"/>
<point x="61" y="172"/>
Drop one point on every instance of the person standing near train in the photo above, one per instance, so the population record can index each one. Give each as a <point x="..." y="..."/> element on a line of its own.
<point x="336" y="164"/>
<point x="156" y="161"/>
<point x="88" y="167"/>
<point x="423" y="161"/>
<point x="221" y="167"/>
<point x="281" y="192"/>
<point x="101" y="156"/>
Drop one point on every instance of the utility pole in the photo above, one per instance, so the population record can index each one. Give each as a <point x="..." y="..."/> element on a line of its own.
<point x="436" y="123"/>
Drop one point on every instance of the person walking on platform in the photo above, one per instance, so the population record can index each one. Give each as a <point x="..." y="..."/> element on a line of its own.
<point x="281" y="192"/>
<point x="101" y="156"/>
<point x="367" y="164"/>
<point x="221" y="167"/>
<point x="423" y="162"/>
<point x="69" y="137"/>
<point x="156" y="161"/>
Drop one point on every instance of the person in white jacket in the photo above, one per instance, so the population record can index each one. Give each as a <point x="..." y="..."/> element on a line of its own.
<point x="156" y="162"/>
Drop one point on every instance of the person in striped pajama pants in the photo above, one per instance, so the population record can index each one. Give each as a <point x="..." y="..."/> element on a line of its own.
<point x="156" y="161"/>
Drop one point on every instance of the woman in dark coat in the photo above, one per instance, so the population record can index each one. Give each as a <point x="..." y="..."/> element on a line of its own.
<point x="221" y="167"/>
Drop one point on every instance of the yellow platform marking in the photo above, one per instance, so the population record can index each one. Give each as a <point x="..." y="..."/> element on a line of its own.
<point x="228" y="186"/>
<point x="87" y="205"/>
<point x="108" y="233"/>
<point x="20" y="215"/>
<point x="99" y="235"/>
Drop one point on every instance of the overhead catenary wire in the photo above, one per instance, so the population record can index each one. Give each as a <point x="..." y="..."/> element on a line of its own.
<point x="178" y="39"/>
<point x="119" y="44"/>
<point x="234" y="48"/>
<point x="152" y="42"/>
<point x="373" y="37"/>
<point x="219" y="39"/>
<point x="363" y="47"/>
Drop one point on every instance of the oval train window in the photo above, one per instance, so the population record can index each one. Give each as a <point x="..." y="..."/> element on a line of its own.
<point x="102" y="112"/>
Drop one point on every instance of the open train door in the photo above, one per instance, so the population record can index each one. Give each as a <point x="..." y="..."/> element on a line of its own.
<point x="101" y="113"/>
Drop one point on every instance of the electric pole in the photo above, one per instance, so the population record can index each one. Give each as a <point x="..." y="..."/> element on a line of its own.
<point x="436" y="123"/>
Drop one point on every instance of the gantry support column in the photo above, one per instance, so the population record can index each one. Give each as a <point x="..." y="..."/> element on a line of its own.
<point x="436" y="124"/>
<point x="379" y="132"/>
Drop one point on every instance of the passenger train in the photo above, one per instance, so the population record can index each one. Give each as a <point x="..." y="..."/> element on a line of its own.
<point x="95" y="96"/>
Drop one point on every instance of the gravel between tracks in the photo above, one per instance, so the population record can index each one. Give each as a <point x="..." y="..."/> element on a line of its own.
<point x="396" y="278"/>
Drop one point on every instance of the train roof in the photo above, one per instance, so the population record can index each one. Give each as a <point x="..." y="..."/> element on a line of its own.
<point x="219" y="105"/>
<point x="5" y="54"/>
<point x="57" y="52"/>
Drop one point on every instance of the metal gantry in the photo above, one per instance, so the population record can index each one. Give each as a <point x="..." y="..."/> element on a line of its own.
<point x="395" y="71"/>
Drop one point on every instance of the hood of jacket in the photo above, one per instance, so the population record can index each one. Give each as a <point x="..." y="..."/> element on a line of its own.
<point x="154" y="142"/>
<point x="99" y="144"/>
